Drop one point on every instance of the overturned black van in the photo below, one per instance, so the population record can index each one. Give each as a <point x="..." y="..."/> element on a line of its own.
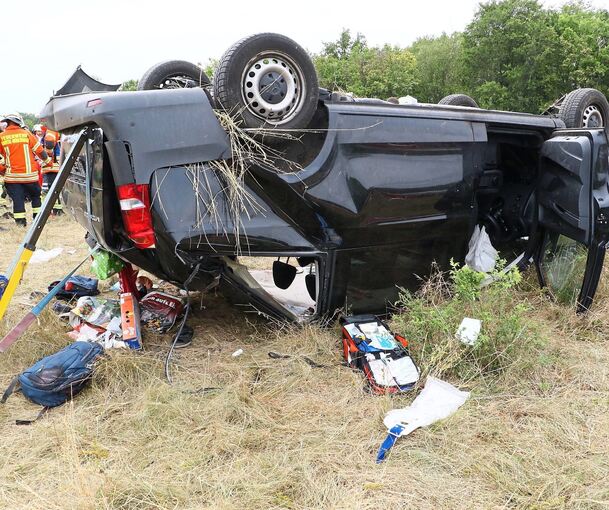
<point x="379" y="192"/>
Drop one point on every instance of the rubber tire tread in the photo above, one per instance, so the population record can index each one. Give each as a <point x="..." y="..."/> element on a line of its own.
<point x="573" y="106"/>
<point x="159" y="71"/>
<point x="222" y="82"/>
<point x="459" y="100"/>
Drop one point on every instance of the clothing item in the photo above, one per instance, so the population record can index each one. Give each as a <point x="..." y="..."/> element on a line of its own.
<point x="18" y="148"/>
<point x="50" y="141"/>
<point x="48" y="180"/>
<point x="19" y="192"/>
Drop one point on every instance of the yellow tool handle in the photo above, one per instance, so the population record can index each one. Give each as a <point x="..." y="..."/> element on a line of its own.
<point x="14" y="280"/>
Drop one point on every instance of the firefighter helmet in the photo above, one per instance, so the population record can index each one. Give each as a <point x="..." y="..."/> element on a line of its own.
<point x="13" y="117"/>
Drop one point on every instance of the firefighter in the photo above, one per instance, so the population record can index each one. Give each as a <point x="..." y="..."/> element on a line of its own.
<point x="18" y="147"/>
<point x="3" y="194"/>
<point x="50" y="141"/>
<point x="37" y="130"/>
<point x="57" y="137"/>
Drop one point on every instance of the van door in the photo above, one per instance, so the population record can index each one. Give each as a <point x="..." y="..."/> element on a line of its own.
<point x="573" y="208"/>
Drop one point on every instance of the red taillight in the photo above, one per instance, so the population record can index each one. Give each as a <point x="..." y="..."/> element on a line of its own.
<point x="134" y="200"/>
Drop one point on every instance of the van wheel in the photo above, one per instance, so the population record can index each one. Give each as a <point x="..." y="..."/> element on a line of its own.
<point x="173" y="74"/>
<point x="459" y="100"/>
<point x="585" y="108"/>
<point x="267" y="81"/>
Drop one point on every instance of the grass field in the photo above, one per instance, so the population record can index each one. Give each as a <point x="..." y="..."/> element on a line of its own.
<point x="281" y="434"/>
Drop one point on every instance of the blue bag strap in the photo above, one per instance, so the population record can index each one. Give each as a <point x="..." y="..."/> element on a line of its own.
<point x="42" y="412"/>
<point x="9" y="390"/>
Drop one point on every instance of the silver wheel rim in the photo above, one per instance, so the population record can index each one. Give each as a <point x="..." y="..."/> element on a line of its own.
<point x="272" y="88"/>
<point x="592" y="117"/>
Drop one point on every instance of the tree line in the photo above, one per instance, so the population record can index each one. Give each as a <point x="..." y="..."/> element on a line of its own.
<point x="513" y="55"/>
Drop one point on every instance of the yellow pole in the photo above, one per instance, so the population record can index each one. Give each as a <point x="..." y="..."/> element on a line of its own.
<point x="14" y="280"/>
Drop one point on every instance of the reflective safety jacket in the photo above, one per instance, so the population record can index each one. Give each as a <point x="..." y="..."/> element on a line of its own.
<point x="50" y="141"/>
<point x="18" y="147"/>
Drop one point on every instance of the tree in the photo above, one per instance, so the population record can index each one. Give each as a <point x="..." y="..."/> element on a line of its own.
<point x="349" y="65"/>
<point x="584" y="44"/>
<point x="439" y="66"/>
<point x="30" y="119"/>
<point x="210" y="67"/>
<point x="129" y="85"/>
<point x="344" y="46"/>
<point x="514" y="44"/>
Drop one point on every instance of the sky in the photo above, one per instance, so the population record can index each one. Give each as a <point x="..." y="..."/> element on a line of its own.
<point x="117" y="40"/>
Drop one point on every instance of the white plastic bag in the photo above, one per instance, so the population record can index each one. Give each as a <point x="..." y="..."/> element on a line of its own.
<point x="469" y="330"/>
<point x="481" y="255"/>
<point x="437" y="401"/>
<point x="407" y="100"/>
<point x="40" y="256"/>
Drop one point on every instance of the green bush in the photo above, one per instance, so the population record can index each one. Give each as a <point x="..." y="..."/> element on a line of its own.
<point x="431" y="317"/>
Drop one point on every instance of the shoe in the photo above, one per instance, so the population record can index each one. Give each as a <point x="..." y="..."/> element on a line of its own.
<point x="20" y="222"/>
<point x="185" y="338"/>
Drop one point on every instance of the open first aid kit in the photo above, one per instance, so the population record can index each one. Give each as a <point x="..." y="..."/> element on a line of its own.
<point x="370" y="346"/>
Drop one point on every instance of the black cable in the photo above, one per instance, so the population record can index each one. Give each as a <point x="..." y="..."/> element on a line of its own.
<point x="182" y="324"/>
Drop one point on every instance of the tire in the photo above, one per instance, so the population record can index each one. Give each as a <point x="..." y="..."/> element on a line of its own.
<point x="585" y="108"/>
<point x="459" y="100"/>
<point x="267" y="81"/>
<point x="173" y="74"/>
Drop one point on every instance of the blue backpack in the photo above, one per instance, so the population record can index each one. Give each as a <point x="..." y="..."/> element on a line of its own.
<point x="57" y="378"/>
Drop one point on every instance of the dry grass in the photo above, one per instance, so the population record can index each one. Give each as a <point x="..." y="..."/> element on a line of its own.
<point x="280" y="434"/>
<point x="236" y="203"/>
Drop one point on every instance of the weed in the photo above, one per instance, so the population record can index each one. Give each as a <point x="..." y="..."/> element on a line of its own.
<point x="432" y="316"/>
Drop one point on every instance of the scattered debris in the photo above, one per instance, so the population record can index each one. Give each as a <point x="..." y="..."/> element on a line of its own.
<point x="160" y="310"/>
<point x="143" y="284"/>
<point x="75" y="287"/>
<point x="469" y="330"/>
<point x="106" y="264"/>
<point x="41" y="256"/>
<point x="94" y="311"/>
<point x="306" y="359"/>
<point x="481" y="256"/>
<point x="61" y="308"/>
<point x="437" y="401"/>
<point x="130" y="321"/>
<point x="184" y="338"/>
<point x="237" y="353"/>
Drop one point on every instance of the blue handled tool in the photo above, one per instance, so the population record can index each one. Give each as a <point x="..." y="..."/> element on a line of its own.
<point x="25" y="323"/>
<point x="389" y="441"/>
